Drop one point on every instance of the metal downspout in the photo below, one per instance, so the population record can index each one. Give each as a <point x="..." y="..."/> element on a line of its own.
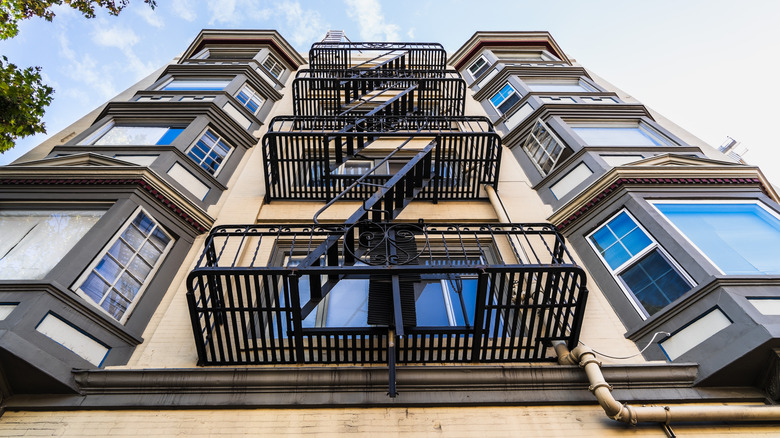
<point x="623" y="412"/>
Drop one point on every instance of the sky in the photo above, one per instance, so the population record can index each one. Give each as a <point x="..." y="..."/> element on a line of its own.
<point x="704" y="65"/>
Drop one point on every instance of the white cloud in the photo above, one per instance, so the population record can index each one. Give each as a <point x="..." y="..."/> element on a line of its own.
<point x="184" y="9"/>
<point x="83" y="68"/>
<point x="369" y="17"/>
<point x="234" y="12"/>
<point x="410" y="34"/>
<point x="114" y="36"/>
<point x="124" y="39"/>
<point x="151" y="16"/>
<point x="306" y="25"/>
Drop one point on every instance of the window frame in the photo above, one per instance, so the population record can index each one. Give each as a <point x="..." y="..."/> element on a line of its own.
<point x="655" y="135"/>
<point x="756" y="202"/>
<point x="274" y="63"/>
<point x="619" y="270"/>
<point x="200" y="164"/>
<point x="514" y="91"/>
<point x="76" y="286"/>
<point x="104" y="129"/>
<point x="486" y="65"/>
<point x="162" y="86"/>
<point x="555" y="137"/>
<point x="252" y="94"/>
<point x="580" y="81"/>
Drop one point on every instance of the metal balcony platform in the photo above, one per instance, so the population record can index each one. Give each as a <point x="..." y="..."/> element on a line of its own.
<point x="519" y="286"/>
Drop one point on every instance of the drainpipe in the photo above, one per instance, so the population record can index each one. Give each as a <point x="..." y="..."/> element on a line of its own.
<point x="498" y="206"/>
<point x="623" y="412"/>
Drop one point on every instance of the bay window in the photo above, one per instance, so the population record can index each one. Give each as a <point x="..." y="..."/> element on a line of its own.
<point x="117" y="278"/>
<point x="195" y="85"/>
<point x="642" y="268"/>
<point x="739" y="238"/>
<point x="34" y="241"/>
<point x="113" y="134"/>
<point x="479" y="67"/>
<point x="544" y="148"/>
<point x="618" y="134"/>
<point x="505" y="98"/>
<point x="209" y="151"/>
<point x="250" y="98"/>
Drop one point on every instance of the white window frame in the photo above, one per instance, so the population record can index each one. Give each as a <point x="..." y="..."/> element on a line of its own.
<point x="610" y="123"/>
<point x="707" y="201"/>
<point x="490" y="99"/>
<point x="271" y="59"/>
<point x="103" y="130"/>
<point x="632" y="260"/>
<point x="252" y="95"/>
<point x="162" y="86"/>
<point x="481" y="58"/>
<point x="532" y="137"/>
<point x="219" y="138"/>
<point x="586" y="86"/>
<point x="104" y="251"/>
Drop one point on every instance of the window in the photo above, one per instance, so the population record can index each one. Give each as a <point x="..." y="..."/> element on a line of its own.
<point x="558" y="85"/>
<point x="618" y="134"/>
<point x="273" y="66"/>
<point x="116" y="135"/>
<point x="479" y="67"/>
<point x="116" y="279"/>
<point x="505" y="98"/>
<point x="346" y="305"/>
<point x="209" y="151"/>
<point x="545" y="150"/>
<point x="250" y="98"/>
<point x="639" y="264"/>
<point x="195" y="85"/>
<point x="739" y="238"/>
<point x="34" y="241"/>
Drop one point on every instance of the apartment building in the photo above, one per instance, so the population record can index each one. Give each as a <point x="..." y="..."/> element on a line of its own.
<point x="381" y="238"/>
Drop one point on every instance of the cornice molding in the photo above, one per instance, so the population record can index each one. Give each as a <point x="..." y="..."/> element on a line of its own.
<point x="481" y="40"/>
<point x="239" y="37"/>
<point x="52" y="175"/>
<point x="642" y="174"/>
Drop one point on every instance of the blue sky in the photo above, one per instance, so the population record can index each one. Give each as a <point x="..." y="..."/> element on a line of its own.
<point x="708" y="65"/>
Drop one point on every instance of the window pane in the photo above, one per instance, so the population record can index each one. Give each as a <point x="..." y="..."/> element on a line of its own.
<point x="557" y="86"/>
<point x="348" y="304"/>
<point x="206" y="85"/>
<point x="209" y="151"/>
<point x="617" y="136"/>
<point x="34" y="241"/>
<point x="738" y="238"/>
<point x="126" y="266"/>
<point x="138" y="135"/>
<point x="620" y="239"/>
<point x="430" y="306"/>
<point x="654" y="282"/>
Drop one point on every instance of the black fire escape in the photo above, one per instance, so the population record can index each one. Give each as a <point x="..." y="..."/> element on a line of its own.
<point x="382" y="124"/>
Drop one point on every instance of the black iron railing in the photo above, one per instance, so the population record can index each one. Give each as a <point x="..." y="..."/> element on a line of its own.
<point x="336" y="96"/>
<point x="366" y="55"/>
<point x="248" y="301"/>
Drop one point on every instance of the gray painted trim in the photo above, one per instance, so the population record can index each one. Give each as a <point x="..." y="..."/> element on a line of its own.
<point x="367" y="386"/>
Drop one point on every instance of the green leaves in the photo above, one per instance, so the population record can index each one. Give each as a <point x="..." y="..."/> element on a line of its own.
<point x="23" y="97"/>
<point x="13" y="11"/>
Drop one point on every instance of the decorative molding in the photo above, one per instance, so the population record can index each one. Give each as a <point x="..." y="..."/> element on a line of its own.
<point x="662" y="170"/>
<point x="481" y="40"/>
<point x="53" y="174"/>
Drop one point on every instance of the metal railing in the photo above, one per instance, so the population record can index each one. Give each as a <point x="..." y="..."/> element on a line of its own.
<point x="246" y="299"/>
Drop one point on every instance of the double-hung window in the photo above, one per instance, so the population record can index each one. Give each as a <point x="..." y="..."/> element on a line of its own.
<point x="639" y="264"/>
<point x="273" y="66"/>
<point x="740" y="238"/>
<point x="209" y="151"/>
<point x="505" y="98"/>
<point x="250" y="98"/>
<point x="195" y="85"/>
<point x="544" y="148"/>
<point x="119" y="135"/>
<point x="32" y="242"/>
<point x="479" y="67"/>
<point x="119" y="276"/>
